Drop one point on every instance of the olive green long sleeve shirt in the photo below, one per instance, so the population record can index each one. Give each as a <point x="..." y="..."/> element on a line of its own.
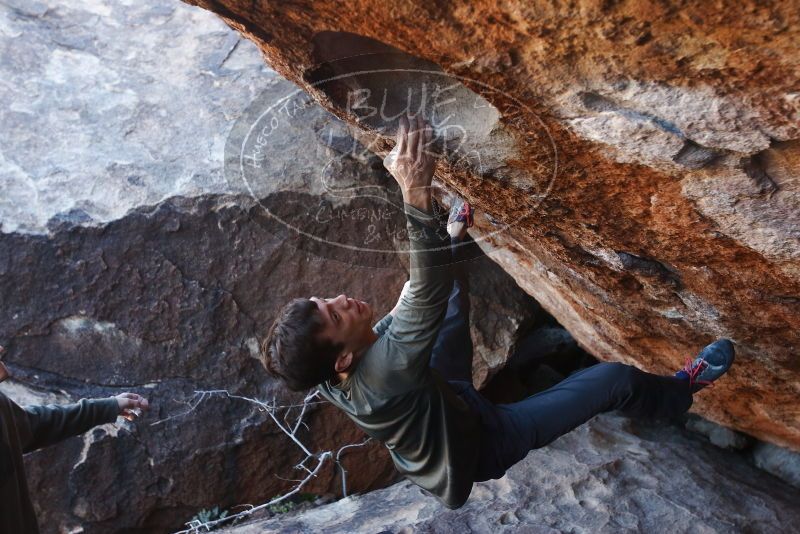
<point x="27" y="429"/>
<point x="395" y="397"/>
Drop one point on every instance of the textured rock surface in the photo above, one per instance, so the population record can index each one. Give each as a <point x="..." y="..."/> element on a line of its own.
<point x="719" y="435"/>
<point x="645" y="155"/>
<point x="608" y="476"/>
<point x="136" y="255"/>
<point x="97" y="125"/>
<point x="165" y="302"/>
<point x="782" y="463"/>
<point x="107" y="287"/>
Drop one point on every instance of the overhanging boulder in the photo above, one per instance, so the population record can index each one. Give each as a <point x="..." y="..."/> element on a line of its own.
<point x="638" y="162"/>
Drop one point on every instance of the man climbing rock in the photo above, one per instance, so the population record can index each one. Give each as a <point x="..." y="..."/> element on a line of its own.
<point x="24" y="430"/>
<point x="407" y="383"/>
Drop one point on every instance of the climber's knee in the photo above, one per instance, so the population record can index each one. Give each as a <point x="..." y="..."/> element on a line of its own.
<point x="622" y="379"/>
<point x="615" y="371"/>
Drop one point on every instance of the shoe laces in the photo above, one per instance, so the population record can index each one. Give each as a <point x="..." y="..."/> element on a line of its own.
<point x="694" y="370"/>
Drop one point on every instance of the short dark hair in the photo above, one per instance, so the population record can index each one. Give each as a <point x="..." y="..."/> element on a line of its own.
<point x="293" y="350"/>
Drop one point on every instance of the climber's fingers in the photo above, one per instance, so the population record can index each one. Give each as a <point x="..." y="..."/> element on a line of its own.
<point x="402" y="137"/>
<point x="131" y="401"/>
<point x="423" y="152"/>
<point x="413" y="138"/>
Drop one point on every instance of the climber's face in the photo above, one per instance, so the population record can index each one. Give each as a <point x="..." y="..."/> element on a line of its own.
<point x="348" y="322"/>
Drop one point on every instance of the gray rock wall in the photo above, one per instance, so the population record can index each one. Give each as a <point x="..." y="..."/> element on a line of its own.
<point x="112" y="106"/>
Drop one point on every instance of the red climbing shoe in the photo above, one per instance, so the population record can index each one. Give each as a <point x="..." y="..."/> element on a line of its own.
<point x="461" y="211"/>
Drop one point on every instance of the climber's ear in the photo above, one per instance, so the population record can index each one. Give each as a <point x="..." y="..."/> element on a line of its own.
<point x="343" y="362"/>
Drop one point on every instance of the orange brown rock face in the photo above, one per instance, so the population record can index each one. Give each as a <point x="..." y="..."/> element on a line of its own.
<point x="645" y="155"/>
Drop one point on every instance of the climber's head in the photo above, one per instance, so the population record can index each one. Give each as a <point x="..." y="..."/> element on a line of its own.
<point x="313" y="340"/>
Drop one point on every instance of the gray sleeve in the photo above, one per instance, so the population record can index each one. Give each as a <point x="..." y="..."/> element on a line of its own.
<point x="419" y="314"/>
<point x="53" y="423"/>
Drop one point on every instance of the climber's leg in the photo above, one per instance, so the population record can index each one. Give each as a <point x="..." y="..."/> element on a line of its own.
<point x="541" y="418"/>
<point x="452" y="351"/>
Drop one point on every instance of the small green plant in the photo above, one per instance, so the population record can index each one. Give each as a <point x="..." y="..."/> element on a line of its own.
<point x="282" y="507"/>
<point x="204" y="516"/>
<point x="291" y="503"/>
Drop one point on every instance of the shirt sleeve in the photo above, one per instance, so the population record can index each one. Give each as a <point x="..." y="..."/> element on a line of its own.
<point x="412" y="332"/>
<point x="53" y="423"/>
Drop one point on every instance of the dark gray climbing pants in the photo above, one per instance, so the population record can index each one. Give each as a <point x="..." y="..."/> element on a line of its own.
<point x="510" y="431"/>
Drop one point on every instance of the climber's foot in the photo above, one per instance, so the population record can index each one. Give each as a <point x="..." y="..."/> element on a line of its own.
<point x="712" y="362"/>
<point x="460" y="218"/>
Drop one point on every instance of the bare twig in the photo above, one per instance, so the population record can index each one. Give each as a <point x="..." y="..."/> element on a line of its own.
<point x="196" y="526"/>
<point x="341" y="467"/>
<point x="200" y="396"/>
<point x="196" y="399"/>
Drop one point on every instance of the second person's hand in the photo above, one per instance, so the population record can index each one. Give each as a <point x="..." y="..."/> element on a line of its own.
<point x="131" y="405"/>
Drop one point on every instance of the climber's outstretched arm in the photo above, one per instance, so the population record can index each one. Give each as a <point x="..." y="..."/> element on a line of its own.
<point x="412" y="326"/>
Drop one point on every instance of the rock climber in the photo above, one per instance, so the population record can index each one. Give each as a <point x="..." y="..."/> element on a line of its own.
<point x="406" y="382"/>
<point x="27" y="429"/>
